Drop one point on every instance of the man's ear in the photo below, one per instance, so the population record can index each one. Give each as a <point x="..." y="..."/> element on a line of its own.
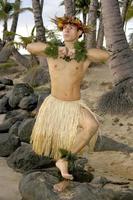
<point x="80" y="33"/>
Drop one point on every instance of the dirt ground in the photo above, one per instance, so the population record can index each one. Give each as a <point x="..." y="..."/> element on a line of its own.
<point x="116" y="166"/>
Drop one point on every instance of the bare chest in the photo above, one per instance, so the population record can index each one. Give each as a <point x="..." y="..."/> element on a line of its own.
<point x="60" y="66"/>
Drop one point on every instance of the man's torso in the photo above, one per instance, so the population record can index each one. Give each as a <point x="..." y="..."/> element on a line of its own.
<point x="66" y="77"/>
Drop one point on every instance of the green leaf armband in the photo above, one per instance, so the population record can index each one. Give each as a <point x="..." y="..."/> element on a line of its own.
<point x="51" y="50"/>
<point x="68" y="155"/>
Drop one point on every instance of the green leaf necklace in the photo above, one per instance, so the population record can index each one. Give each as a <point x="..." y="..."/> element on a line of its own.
<point x="80" y="51"/>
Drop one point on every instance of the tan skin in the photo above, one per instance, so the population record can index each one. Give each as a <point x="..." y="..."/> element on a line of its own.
<point x="66" y="78"/>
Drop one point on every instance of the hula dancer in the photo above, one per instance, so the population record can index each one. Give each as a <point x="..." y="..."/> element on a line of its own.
<point x="64" y="121"/>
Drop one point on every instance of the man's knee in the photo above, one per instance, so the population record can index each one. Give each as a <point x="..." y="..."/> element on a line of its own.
<point x="91" y="126"/>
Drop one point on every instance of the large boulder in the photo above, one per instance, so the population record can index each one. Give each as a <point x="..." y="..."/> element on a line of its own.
<point x="8" y="144"/>
<point x="19" y="91"/>
<point x="25" y="129"/>
<point x="2" y="86"/>
<point x="108" y="144"/>
<point x="4" y="105"/>
<point x="24" y="159"/>
<point x="14" y="128"/>
<point x="29" y="102"/>
<point x="39" y="186"/>
<point x="11" y="118"/>
<point x="6" y="81"/>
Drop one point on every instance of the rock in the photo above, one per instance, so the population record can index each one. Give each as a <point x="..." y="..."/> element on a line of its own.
<point x="7" y="125"/>
<point x="8" y="144"/>
<point x="24" y="159"/>
<point x="25" y="129"/>
<point x="37" y="76"/>
<point x="124" y="195"/>
<point x="11" y="118"/>
<point x="4" y="105"/>
<point x="6" y="81"/>
<point x="107" y="144"/>
<point x="39" y="186"/>
<point x="29" y="103"/>
<point x="19" y="114"/>
<point x="14" y="129"/>
<point x="2" y="86"/>
<point x="19" y="91"/>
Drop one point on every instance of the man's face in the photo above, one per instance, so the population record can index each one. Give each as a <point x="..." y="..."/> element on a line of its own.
<point x="70" y="32"/>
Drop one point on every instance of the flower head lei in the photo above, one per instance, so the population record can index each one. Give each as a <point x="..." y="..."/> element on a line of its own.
<point x="61" y="21"/>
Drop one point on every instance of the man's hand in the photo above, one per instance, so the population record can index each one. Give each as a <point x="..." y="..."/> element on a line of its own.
<point x="65" y="52"/>
<point x="62" y="52"/>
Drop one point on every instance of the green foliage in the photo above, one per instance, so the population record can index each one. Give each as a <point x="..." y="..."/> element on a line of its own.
<point x="81" y="52"/>
<point x="129" y="14"/>
<point x="52" y="49"/>
<point x="67" y="155"/>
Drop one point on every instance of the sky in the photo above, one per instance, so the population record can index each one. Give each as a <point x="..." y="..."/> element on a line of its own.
<point x="50" y="10"/>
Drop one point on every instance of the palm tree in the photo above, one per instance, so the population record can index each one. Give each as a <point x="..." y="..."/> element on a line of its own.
<point x="100" y="35"/>
<point x="40" y="29"/>
<point x="69" y="7"/>
<point x="120" y="98"/>
<point x="92" y="20"/>
<point x="8" y="11"/>
<point x="82" y="6"/>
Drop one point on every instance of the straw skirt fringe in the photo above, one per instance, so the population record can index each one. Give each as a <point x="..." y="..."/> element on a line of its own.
<point x="56" y="126"/>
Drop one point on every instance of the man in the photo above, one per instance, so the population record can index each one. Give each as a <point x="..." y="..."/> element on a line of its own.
<point x="64" y="121"/>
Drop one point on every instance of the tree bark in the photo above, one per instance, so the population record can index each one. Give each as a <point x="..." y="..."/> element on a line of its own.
<point x="100" y="36"/>
<point x="20" y="59"/>
<point x="40" y="30"/>
<point x="120" y="99"/>
<point x="92" y="19"/>
<point x="69" y="7"/>
<point x="121" y="56"/>
<point x="15" y="21"/>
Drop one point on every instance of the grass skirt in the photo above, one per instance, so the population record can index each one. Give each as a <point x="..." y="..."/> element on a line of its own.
<point x="56" y="126"/>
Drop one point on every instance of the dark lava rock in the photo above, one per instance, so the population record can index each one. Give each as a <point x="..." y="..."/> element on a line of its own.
<point x="25" y="129"/>
<point x="4" y="105"/>
<point x="14" y="129"/>
<point x="2" y="86"/>
<point x="19" y="91"/>
<point x="24" y="159"/>
<point x="39" y="186"/>
<point x="29" y="103"/>
<point x="8" y="144"/>
<point x="107" y="144"/>
<point x="6" y="81"/>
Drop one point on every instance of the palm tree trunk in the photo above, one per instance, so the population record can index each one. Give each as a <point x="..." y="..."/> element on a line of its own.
<point x="15" y="21"/>
<point x="40" y="30"/>
<point x="124" y="10"/>
<point x="69" y="7"/>
<point x="100" y="36"/>
<point x="20" y="59"/>
<point x="4" y="30"/>
<point x="7" y="49"/>
<point x="120" y="99"/>
<point x="92" y="19"/>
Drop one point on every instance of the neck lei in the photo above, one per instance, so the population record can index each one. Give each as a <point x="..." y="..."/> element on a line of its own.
<point x="80" y="51"/>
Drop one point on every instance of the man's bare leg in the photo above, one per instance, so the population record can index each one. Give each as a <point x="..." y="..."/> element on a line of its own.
<point x="89" y="127"/>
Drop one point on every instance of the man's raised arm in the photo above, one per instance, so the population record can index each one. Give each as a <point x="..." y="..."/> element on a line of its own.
<point x="97" y="55"/>
<point x="37" y="48"/>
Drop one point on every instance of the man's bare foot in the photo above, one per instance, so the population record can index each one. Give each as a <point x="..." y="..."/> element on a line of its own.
<point x="62" y="165"/>
<point x="61" y="186"/>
